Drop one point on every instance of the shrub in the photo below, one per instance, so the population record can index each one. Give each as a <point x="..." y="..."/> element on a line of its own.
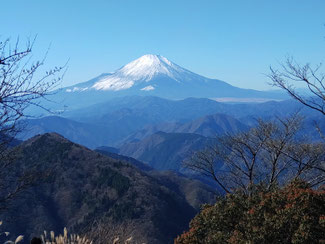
<point x="293" y="214"/>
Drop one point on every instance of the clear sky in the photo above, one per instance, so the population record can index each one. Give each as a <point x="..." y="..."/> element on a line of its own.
<point x="232" y="40"/>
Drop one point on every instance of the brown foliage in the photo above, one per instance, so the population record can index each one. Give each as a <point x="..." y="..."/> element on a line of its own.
<point x="293" y="214"/>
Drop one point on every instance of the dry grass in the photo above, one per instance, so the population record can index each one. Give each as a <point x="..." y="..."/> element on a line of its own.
<point x="18" y="239"/>
<point x="73" y="239"/>
<point x="64" y="239"/>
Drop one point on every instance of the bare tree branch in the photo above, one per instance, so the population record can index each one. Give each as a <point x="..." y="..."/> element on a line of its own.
<point x="268" y="154"/>
<point x="312" y="78"/>
<point x="19" y="89"/>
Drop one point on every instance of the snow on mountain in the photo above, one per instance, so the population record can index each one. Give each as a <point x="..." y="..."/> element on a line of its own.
<point x="141" y="70"/>
<point x="155" y="75"/>
<point x="147" y="88"/>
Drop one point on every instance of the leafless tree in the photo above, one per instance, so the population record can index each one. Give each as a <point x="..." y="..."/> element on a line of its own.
<point x="21" y="85"/>
<point x="292" y="73"/>
<point x="270" y="154"/>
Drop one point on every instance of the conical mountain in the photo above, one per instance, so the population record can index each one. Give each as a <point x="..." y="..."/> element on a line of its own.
<point x="155" y="75"/>
<point x="144" y="71"/>
<point x="147" y="74"/>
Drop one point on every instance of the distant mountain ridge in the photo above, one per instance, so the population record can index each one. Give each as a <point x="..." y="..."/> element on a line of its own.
<point x="82" y="133"/>
<point x="132" y="118"/>
<point x="208" y="126"/>
<point x="165" y="151"/>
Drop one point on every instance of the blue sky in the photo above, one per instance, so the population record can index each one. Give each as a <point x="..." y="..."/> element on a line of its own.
<point x="232" y="40"/>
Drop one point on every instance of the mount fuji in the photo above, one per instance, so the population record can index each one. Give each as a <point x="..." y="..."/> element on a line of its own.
<point x="155" y="75"/>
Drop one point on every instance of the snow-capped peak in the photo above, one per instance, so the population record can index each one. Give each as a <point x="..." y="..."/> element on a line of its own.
<point x="147" y="66"/>
<point x="142" y="69"/>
